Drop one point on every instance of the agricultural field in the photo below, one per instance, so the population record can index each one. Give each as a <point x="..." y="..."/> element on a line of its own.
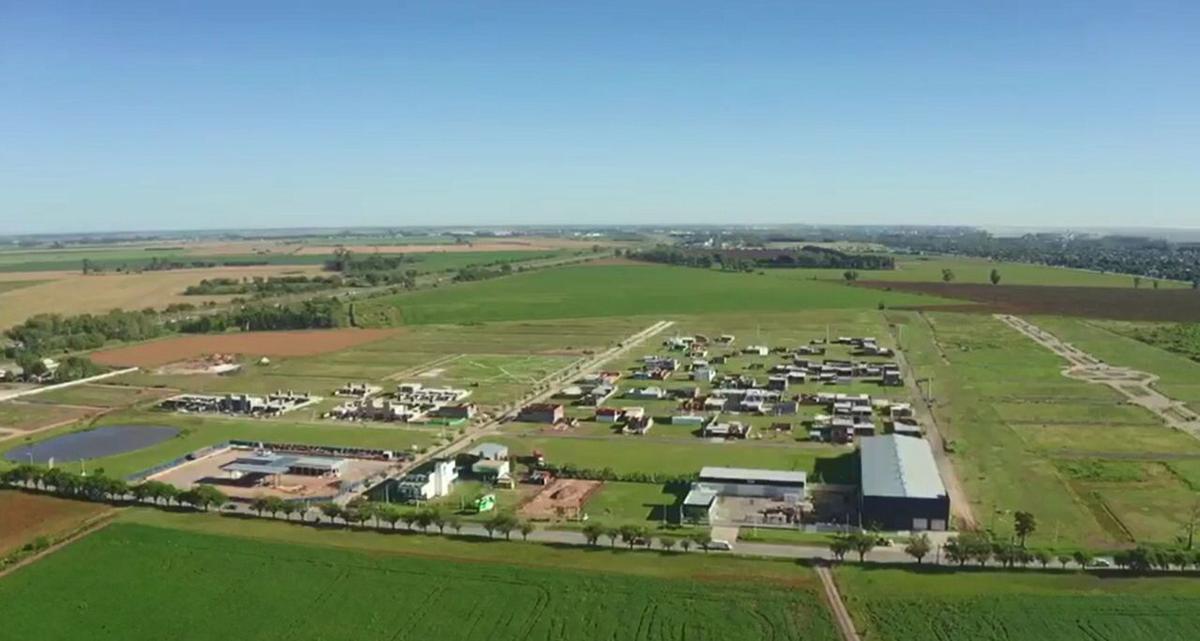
<point x="286" y="343"/>
<point x="599" y="291"/>
<point x="73" y="293"/>
<point x="316" y="592"/>
<point x="29" y="516"/>
<point x="1021" y="433"/>
<point x="978" y="270"/>
<point x="899" y="605"/>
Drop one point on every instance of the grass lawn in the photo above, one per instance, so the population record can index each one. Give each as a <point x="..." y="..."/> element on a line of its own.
<point x="144" y="580"/>
<point x="899" y="605"/>
<point x="626" y="290"/>
<point x="98" y="395"/>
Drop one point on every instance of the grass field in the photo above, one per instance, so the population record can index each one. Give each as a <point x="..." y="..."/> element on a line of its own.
<point x="98" y="395"/>
<point x="148" y="580"/>
<point x="978" y="270"/>
<point x="899" y="605"/>
<point x="625" y="290"/>
<point x="23" y="416"/>
<point x="1016" y="424"/>
<point x="28" y="516"/>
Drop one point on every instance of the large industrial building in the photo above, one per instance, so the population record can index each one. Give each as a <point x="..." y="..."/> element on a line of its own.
<point x="901" y="488"/>
<point x="788" y="488"/>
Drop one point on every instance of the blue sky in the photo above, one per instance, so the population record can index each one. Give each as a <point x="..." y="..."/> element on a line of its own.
<point x="148" y="115"/>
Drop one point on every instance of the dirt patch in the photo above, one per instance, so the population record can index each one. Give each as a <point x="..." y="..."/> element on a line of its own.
<point x="1115" y="303"/>
<point x="564" y="498"/>
<point x="291" y="343"/>
<point x="28" y="516"/>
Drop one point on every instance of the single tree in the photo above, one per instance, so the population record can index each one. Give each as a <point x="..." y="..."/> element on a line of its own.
<point x="259" y="504"/>
<point x="703" y="539"/>
<point x="839" y="546"/>
<point x="947" y="275"/>
<point x="1083" y="558"/>
<point x="592" y="532"/>
<point x="332" y="511"/>
<point x="863" y="543"/>
<point x="685" y="543"/>
<point x="455" y="523"/>
<point x="525" y="528"/>
<point x="1043" y="557"/>
<point x="995" y="277"/>
<point x="667" y="542"/>
<point x="919" y="547"/>
<point x="613" y="534"/>
<point x="1064" y="559"/>
<point x="1024" y="524"/>
<point x="850" y="275"/>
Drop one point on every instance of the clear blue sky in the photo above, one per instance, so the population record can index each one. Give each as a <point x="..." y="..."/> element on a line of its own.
<point x="161" y="114"/>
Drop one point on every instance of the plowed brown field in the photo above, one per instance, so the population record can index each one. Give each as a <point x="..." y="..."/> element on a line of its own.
<point x="28" y="516"/>
<point x="293" y="343"/>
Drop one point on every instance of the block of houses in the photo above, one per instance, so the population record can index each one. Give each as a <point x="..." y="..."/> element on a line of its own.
<point x="541" y="413"/>
<point x="648" y="393"/>
<point x="726" y="430"/>
<point x="638" y="425"/>
<point x="906" y="428"/>
<point x="704" y="374"/>
<point x="609" y="414"/>
<point x="756" y="350"/>
<point x="688" y="419"/>
<point x="778" y="383"/>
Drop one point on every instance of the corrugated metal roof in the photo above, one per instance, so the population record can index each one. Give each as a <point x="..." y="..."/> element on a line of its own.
<point x="734" y="474"/>
<point x="899" y="466"/>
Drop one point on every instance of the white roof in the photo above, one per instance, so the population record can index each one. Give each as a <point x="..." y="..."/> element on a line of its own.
<point x="751" y="474"/>
<point x="899" y="466"/>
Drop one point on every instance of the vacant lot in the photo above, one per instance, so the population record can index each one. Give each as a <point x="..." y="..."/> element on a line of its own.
<point x="23" y="416"/>
<point x="1014" y="423"/>
<point x="144" y="581"/>
<point x="900" y="605"/>
<point x="625" y="290"/>
<point x="24" y="517"/>
<point x="1088" y="302"/>
<point x="295" y="343"/>
<point x="98" y="396"/>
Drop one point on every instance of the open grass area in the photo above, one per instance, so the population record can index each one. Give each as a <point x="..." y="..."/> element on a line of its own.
<point x="148" y="580"/>
<point x="98" y="395"/>
<point x="1017" y="425"/>
<point x="23" y="416"/>
<point x="623" y="290"/>
<point x="900" y="605"/>
<point x="978" y="270"/>
<point x="1179" y="376"/>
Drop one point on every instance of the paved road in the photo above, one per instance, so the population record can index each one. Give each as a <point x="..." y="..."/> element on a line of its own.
<point x="1136" y="386"/>
<point x="544" y="390"/>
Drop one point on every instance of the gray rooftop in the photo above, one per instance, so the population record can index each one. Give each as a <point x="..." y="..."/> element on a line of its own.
<point x="700" y="496"/>
<point x="278" y="464"/>
<point x="735" y="474"/>
<point x="899" y="466"/>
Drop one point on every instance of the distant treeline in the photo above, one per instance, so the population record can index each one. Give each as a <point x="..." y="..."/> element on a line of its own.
<point x="156" y="264"/>
<point x="315" y="313"/>
<point x="809" y="256"/>
<point x="260" y="287"/>
<point x="50" y="335"/>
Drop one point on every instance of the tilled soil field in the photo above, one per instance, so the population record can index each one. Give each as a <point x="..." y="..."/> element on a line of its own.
<point x="1116" y="303"/>
<point x="292" y="343"/>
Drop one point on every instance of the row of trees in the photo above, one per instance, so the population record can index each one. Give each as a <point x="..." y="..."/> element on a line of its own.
<point x="315" y="313"/>
<point x="634" y="535"/>
<point x="260" y="287"/>
<point x="99" y="487"/>
<point x="809" y="256"/>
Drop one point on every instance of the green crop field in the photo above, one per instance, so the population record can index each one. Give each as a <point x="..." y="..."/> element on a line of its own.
<point x="900" y="605"/>
<point x="622" y="290"/>
<point x="144" y="583"/>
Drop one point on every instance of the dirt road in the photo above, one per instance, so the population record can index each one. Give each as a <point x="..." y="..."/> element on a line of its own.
<point x="960" y="504"/>
<point x="1136" y="386"/>
<point x="840" y="615"/>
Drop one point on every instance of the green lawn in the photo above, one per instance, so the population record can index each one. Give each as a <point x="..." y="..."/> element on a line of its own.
<point x="900" y="605"/>
<point x="144" y="582"/>
<point x="624" y="290"/>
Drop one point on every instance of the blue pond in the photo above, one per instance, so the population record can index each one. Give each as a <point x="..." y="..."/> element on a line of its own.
<point x="93" y="443"/>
